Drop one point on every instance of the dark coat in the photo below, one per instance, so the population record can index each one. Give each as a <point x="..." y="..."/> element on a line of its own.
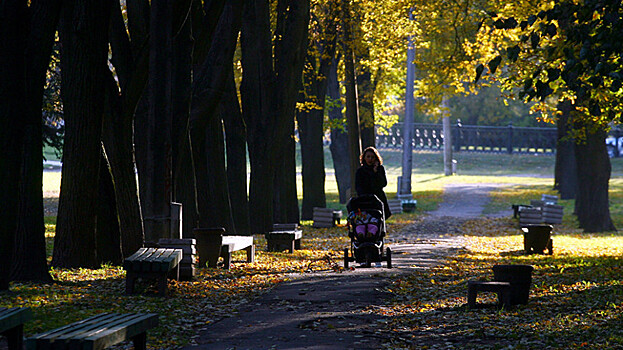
<point x="369" y="182"/>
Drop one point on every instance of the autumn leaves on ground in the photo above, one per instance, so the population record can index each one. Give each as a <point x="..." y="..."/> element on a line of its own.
<point x="576" y="297"/>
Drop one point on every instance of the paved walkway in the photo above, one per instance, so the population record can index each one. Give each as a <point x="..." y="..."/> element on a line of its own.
<point x="332" y="310"/>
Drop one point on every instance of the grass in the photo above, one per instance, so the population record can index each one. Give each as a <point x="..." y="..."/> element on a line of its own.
<point x="576" y="298"/>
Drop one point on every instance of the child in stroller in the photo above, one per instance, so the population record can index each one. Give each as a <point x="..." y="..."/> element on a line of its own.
<point x="366" y="228"/>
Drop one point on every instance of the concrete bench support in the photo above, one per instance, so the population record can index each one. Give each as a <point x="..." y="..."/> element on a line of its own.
<point x="503" y="290"/>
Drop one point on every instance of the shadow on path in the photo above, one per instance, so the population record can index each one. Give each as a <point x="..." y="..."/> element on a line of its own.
<point x="333" y="310"/>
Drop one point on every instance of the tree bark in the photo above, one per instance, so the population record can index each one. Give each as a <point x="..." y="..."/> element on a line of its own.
<point x="352" y="99"/>
<point x="269" y="96"/>
<point x="84" y="55"/>
<point x="159" y="181"/>
<point x="108" y="235"/>
<point x="256" y="89"/>
<point x="236" y="147"/>
<point x="365" y="93"/>
<point x="206" y="129"/>
<point x="592" y="204"/>
<point x="339" y="137"/>
<point x="183" y="182"/>
<point x="13" y="21"/>
<point x="30" y="259"/>
<point x="565" y="172"/>
<point x="290" y="51"/>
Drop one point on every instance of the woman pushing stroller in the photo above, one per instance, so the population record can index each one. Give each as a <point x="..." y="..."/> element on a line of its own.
<point x="370" y="177"/>
<point x="367" y="213"/>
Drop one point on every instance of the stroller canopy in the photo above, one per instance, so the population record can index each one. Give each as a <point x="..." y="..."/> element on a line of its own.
<point x="364" y="202"/>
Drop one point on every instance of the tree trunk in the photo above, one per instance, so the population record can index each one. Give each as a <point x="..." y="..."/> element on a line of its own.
<point x="284" y="184"/>
<point x="158" y="195"/>
<point x="365" y="93"/>
<point x="84" y="53"/>
<point x="206" y="129"/>
<point x="118" y="144"/>
<point x="235" y="140"/>
<point x="339" y="137"/>
<point x="352" y="99"/>
<point x="566" y="175"/>
<point x="269" y="96"/>
<point x="310" y="124"/>
<point x="30" y="259"/>
<point x="256" y="91"/>
<point x="593" y="175"/>
<point x="183" y="182"/>
<point x="108" y="235"/>
<point x="290" y="50"/>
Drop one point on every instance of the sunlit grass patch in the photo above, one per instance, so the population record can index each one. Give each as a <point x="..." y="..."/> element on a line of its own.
<point x="576" y="297"/>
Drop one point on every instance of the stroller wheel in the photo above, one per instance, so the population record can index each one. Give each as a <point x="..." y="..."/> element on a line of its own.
<point x="346" y="259"/>
<point x="388" y="254"/>
<point x="368" y="259"/>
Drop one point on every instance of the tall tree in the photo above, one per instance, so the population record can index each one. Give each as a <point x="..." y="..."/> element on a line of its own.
<point x="310" y="115"/>
<point x="30" y="259"/>
<point x="84" y="55"/>
<point x="13" y="20"/>
<point x="352" y="102"/>
<point x="235" y="140"/>
<point x="339" y="137"/>
<point x="205" y="125"/>
<point x="269" y="89"/>
<point x="571" y="50"/>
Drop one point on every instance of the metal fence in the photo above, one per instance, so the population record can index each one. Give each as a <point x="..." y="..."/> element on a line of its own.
<point x="473" y="138"/>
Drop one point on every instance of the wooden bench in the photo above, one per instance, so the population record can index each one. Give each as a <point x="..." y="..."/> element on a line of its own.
<point x="97" y="332"/>
<point x="189" y="254"/>
<point x="234" y="243"/>
<point x="503" y="290"/>
<point x="326" y="217"/>
<point x="284" y="236"/>
<point x="152" y="263"/>
<point x="12" y="325"/>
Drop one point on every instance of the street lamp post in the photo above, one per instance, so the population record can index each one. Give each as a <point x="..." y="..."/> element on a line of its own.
<point x="404" y="190"/>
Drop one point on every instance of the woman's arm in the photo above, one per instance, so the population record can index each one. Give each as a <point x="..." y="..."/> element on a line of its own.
<point x="380" y="177"/>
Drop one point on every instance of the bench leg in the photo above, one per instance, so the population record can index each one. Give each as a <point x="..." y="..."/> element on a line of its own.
<point x="292" y="246"/>
<point x="250" y="253"/>
<point x="226" y="260"/>
<point x="270" y="244"/>
<point x="140" y="341"/>
<point x="504" y="298"/>
<point x="471" y="297"/>
<point x="15" y="337"/>
<point x="130" y="279"/>
<point x="162" y="285"/>
<point x="297" y="244"/>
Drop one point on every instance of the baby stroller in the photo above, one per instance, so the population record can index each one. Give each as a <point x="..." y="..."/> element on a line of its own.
<point x="366" y="229"/>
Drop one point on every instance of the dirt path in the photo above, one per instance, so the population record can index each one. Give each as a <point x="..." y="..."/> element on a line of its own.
<point x="333" y="310"/>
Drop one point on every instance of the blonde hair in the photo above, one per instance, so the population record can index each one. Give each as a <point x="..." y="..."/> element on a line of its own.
<point x="373" y="150"/>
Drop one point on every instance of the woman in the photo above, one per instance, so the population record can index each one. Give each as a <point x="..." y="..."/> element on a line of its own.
<point x="370" y="177"/>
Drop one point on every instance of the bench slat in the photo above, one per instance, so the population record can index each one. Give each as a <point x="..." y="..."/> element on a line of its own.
<point x="237" y="242"/>
<point x="12" y="317"/>
<point x="130" y="327"/>
<point x="97" y="332"/>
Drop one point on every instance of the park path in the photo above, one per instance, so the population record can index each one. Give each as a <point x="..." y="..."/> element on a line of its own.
<point x="333" y="310"/>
